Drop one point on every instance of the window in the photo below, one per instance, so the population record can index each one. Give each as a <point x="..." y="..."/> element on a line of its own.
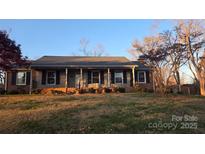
<point x="142" y="77"/>
<point x="118" y="77"/>
<point x="95" y="77"/>
<point x="21" y="78"/>
<point x="51" y="77"/>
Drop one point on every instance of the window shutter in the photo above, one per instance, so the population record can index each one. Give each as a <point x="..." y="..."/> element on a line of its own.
<point x="131" y="79"/>
<point x="89" y="77"/>
<point x="58" y="77"/>
<point x="28" y="76"/>
<point x="112" y="76"/>
<point x="124" y="76"/>
<point x="102" y="77"/>
<point x="43" y="81"/>
<point x="136" y="76"/>
<point x="147" y="77"/>
<point x="13" y="78"/>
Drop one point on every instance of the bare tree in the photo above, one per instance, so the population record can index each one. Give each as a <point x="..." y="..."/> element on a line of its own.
<point x="176" y="56"/>
<point x="97" y="51"/>
<point x="202" y="72"/>
<point x="154" y="51"/>
<point x="84" y="47"/>
<point x="166" y="54"/>
<point x="172" y="49"/>
<point x="191" y="33"/>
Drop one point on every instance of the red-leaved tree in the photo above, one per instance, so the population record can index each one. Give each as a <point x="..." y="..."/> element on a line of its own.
<point x="10" y="54"/>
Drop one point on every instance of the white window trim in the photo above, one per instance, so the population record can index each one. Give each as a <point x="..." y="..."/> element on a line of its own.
<point x="23" y="84"/>
<point x="145" y="77"/>
<point x="92" y="77"/>
<point x="47" y="78"/>
<point x="122" y="77"/>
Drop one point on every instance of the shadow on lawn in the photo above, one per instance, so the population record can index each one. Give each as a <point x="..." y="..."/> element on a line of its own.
<point x="22" y="105"/>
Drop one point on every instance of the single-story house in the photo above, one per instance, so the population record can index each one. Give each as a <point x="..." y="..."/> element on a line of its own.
<point x="79" y="72"/>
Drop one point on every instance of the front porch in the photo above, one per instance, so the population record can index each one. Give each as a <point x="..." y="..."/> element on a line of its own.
<point x="81" y="78"/>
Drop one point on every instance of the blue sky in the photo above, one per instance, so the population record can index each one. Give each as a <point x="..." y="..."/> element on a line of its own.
<point x="62" y="37"/>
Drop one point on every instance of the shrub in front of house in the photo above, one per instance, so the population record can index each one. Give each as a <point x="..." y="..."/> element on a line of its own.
<point x="118" y="89"/>
<point x="114" y="89"/>
<point x="149" y="90"/>
<point x="106" y="90"/>
<point x="91" y="90"/>
<point x="80" y="91"/>
<point x="141" y="89"/>
<point x="18" y="91"/>
<point x="98" y="91"/>
<point x="37" y="91"/>
<point x="2" y="91"/>
<point x="57" y="92"/>
<point x="121" y="89"/>
<point x="13" y="92"/>
<point x="138" y="88"/>
<point x="49" y="91"/>
<point x="101" y="90"/>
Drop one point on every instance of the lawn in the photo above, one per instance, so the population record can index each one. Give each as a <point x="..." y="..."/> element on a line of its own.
<point x="97" y="113"/>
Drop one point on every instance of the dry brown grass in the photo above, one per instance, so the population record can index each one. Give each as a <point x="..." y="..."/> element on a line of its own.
<point x="96" y="113"/>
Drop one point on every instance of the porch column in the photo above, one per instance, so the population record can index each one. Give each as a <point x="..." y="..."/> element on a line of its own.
<point x="108" y="77"/>
<point x="66" y="78"/>
<point x="133" y="75"/>
<point x="81" y="77"/>
<point x="99" y="75"/>
<point x="31" y="79"/>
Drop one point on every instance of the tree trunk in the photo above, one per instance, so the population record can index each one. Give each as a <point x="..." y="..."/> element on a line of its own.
<point x="178" y="82"/>
<point x="202" y="86"/>
<point x="179" y="88"/>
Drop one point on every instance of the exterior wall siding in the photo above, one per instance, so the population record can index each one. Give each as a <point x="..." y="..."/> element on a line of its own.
<point x="11" y="87"/>
<point x="149" y="85"/>
<point x="37" y="77"/>
<point x="37" y="80"/>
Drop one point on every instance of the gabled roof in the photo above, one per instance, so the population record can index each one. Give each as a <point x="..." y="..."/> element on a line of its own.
<point x="80" y="61"/>
<point x="141" y="65"/>
<point x="85" y="61"/>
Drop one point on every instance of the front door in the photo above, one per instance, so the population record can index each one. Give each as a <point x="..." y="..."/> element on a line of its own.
<point x="77" y="80"/>
<point x="71" y="79"/>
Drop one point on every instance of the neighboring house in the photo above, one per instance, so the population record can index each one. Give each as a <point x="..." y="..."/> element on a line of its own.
<point x="79" y="72"/>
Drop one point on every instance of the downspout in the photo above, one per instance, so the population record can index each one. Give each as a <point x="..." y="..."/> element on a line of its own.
<point x="66" y="79"/>
<point x="5" y="82"/>
<point x="31" y="80"/>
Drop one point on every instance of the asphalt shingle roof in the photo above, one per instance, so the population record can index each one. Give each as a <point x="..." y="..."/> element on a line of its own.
<point x="84" y="61"/>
